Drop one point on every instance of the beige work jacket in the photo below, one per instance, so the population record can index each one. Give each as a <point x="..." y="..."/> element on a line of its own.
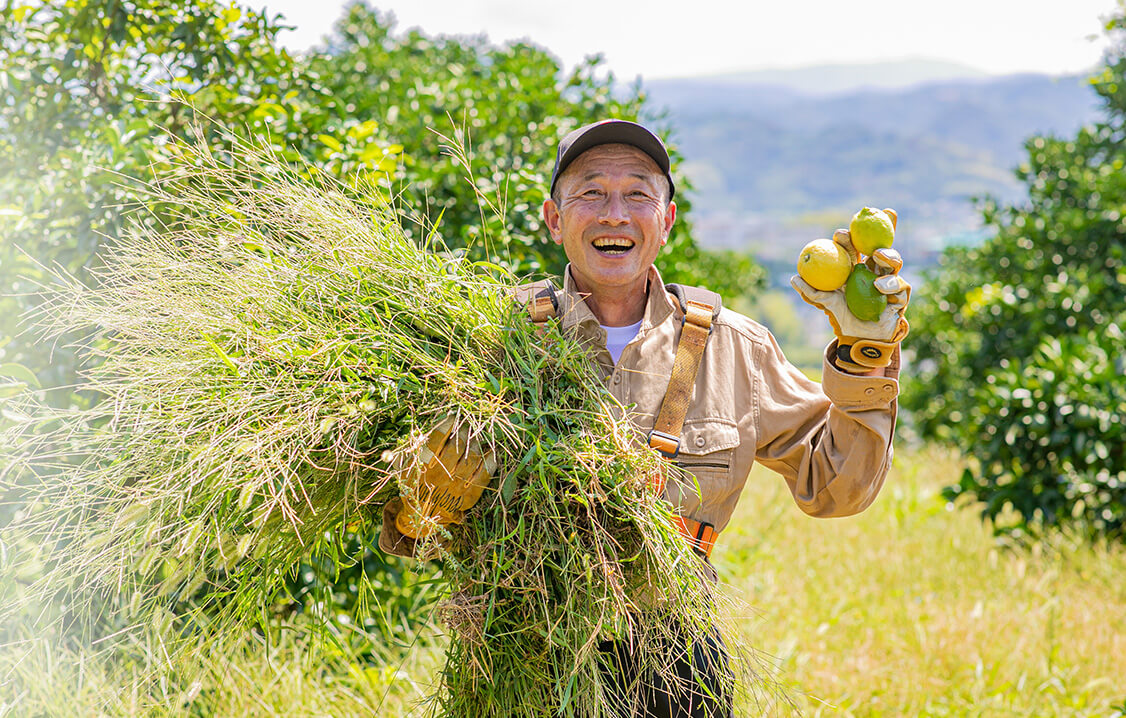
<point x="832" y="442"/>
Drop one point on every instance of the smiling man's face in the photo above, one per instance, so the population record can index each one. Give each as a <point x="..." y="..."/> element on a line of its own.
<point x="612" y="217"/>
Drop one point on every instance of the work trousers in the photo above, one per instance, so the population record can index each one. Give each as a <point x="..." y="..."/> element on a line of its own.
<point x="702" y="688"/>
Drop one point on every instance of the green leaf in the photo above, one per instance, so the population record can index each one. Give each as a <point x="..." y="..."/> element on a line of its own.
<point x="222" y="355"/>
<point x="491" y="267"/>
<point x="20" y="12"/>
<point x="331" y="142"/>
<point x="508" y="488"/>
<point x="9" y="390"/>
<point x="255" y="247"/>
<point x="20" y="373"/>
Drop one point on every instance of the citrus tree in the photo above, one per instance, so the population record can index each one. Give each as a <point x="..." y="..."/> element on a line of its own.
<point x="505" y="106"/>
<point x="1019" y="344"/>
<point x="92" y="89"/>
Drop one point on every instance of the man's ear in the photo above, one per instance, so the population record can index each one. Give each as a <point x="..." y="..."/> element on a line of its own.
<point x="552" y="220"/>
<point x="670" y="218"/>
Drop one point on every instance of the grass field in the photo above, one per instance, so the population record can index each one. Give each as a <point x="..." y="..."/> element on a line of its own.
<point x="910" y="609"/>
<point x="914" y="609"/>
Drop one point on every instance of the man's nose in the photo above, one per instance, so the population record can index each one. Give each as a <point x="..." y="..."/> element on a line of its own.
<point x="614" y="210"/>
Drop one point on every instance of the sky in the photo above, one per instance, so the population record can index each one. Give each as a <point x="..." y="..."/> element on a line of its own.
<point x="685" y="38"/>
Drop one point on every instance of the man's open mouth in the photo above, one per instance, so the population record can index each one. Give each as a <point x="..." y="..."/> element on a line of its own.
<point x="613" y="246"/>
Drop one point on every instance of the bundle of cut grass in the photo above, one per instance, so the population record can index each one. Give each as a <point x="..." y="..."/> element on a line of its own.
<point x="271" y="359"/>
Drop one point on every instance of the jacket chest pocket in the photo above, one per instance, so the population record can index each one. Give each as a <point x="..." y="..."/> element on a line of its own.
<point x="707" y="450"/>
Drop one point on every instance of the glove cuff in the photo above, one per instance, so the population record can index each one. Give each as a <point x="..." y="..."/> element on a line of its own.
<point x="391" y="539"/>
<point x="856" y="355"/>
<point x="419" y="522"/>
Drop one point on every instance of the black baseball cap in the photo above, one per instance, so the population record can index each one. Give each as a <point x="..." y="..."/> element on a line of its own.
<point x="607" y="132"/>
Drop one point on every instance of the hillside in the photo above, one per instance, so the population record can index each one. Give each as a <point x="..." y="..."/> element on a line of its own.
<point x="776" y="158"/>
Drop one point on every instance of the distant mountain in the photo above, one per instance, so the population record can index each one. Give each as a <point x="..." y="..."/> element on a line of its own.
<point x="776" y="163"/>
<point x="829" y="79"/>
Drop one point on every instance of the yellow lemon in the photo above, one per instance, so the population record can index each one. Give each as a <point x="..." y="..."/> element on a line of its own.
<point x="871" y="229"/>
<point x="824" y="264"/>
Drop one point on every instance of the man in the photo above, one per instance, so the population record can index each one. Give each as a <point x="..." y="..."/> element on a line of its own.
<point x="709" y="388"/>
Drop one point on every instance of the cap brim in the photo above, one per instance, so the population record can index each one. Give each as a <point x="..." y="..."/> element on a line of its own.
<point x="613" y="132"/>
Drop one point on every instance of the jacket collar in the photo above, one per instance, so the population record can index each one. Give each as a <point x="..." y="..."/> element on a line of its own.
<point x="574" y="311"/>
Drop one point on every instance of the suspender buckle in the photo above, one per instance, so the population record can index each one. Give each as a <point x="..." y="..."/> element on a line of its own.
<point x="666" y="444"/>
<point x="698" y="315"/>
<point x="701" y="535"/>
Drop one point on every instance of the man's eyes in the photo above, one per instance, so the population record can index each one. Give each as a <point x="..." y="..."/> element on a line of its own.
<point x="635" y="194"/>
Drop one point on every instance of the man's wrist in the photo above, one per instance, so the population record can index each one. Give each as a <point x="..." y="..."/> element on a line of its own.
<point x="875" y="371"/>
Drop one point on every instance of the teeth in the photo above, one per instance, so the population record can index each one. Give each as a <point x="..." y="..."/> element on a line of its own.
<point x="613" y="246"/>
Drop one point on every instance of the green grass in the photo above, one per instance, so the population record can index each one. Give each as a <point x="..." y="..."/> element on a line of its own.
<point x="914" y="609"/>
<point x="910" y="609"/>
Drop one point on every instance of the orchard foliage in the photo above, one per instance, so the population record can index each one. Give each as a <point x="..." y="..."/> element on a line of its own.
<point x="91" y="88"/>
<point x="1020" y="343"/>
<point x="91" y="92"/>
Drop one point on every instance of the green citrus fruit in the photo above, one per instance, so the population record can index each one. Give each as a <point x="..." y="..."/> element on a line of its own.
<point x="871" y="229"/>
<point x="824" y="264"/>
<point x="863" y="299"/>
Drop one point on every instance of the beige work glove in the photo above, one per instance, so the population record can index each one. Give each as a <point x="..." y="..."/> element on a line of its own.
<point x="447" y="480"/>
<point x="864" y="345"/>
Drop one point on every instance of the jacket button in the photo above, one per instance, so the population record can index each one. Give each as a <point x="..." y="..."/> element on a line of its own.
<point x="700" y="441"/>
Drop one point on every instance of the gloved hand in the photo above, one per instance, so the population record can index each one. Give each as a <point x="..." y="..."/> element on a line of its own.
<point x="447" y="480"/>
<point x="864" y="345"/>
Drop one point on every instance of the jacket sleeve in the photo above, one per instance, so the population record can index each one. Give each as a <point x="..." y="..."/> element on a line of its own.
<point x="832" y="443"/>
